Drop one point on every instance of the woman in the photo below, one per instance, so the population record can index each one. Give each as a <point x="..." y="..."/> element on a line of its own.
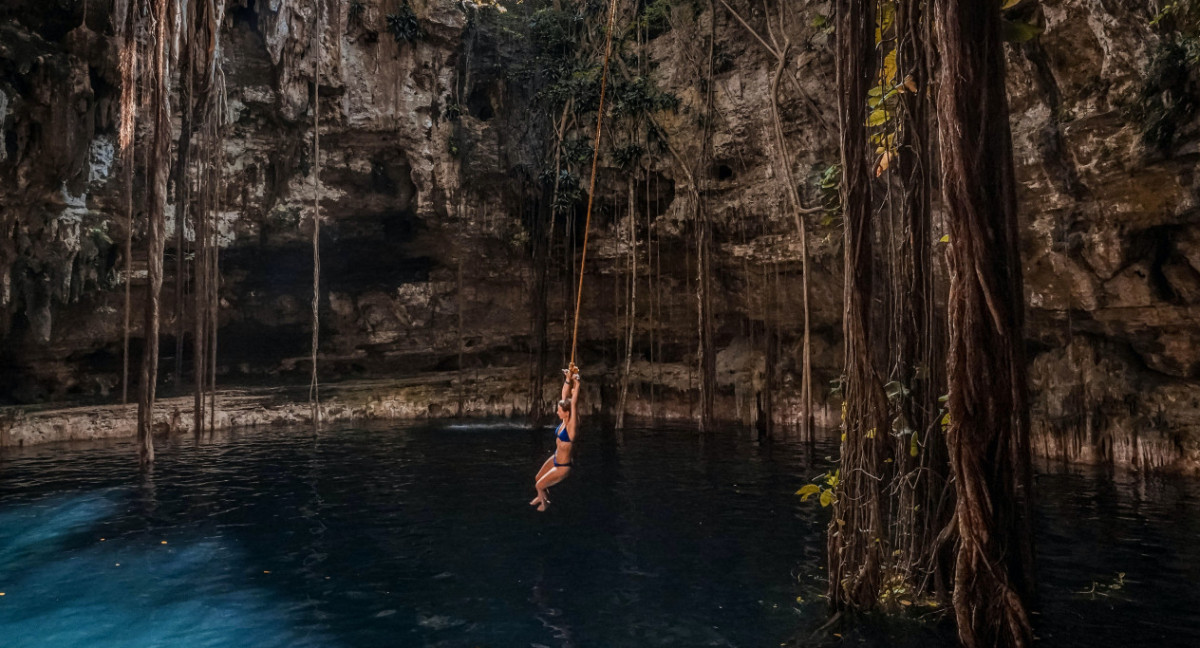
<point x="558" y="466"/>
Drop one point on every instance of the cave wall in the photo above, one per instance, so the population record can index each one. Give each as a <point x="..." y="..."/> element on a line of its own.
<point x="431" y="195"/>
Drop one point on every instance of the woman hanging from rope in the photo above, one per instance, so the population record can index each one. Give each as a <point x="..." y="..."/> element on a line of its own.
<point x="558" y="466"/>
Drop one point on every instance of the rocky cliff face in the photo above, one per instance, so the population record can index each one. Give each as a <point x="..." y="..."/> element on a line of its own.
<point x="1112" y="206"/>
<point x="434" y="195"/>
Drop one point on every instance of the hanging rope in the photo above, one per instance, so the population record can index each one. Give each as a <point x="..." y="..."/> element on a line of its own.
<point x="612" y="13"/>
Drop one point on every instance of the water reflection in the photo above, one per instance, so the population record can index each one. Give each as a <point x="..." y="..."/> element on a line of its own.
<point x="421" y="537"/>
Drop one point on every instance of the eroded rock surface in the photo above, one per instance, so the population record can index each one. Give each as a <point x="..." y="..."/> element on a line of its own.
<point x="432" y="201"/>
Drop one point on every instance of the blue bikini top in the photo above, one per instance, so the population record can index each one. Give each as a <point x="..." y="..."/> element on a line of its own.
<point x="561" y="433"/>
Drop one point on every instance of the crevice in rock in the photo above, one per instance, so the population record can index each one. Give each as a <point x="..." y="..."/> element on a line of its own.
<point x="1050" y="142"/>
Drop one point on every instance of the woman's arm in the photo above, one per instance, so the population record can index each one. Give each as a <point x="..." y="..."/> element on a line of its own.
<point x="571" y="372"/>
<point x="573" y="385"/>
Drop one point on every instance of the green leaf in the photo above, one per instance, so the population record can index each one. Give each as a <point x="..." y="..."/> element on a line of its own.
<point x="945" y="238"/>
<point x="1009" y="4"/>
<point x="808" y="491"/>
<point x="1020" y="32"/>
<point x="878" y="117"/>
<point x="826" y="498"/>
<point x="913" y="446"/>
<point x="887" y="73"/>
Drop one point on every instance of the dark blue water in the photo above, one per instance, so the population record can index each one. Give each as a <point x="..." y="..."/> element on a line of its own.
<point x="422" y="536"/>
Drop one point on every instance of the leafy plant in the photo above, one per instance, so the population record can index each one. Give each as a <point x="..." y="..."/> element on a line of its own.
<point x="829" y="183"/>
<point x="454" y="110"/>
<point x="569" y="192"/>
<point x="826" y="492"/>
<point x="577" y="150"/>
<point x="1169" y="94"/>
<point x="655" y="19"/>
<point x="627" y="156"/>
<point x="404" y="25"/>
<point x="823" y="23"/>
<point x="1015" y="25"/>
<point x="639" y="96"/>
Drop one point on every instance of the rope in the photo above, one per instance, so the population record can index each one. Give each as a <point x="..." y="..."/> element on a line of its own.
<point x="612" y="13"/>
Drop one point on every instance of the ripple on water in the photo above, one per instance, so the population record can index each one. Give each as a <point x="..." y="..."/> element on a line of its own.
<point x="421" y="536"/>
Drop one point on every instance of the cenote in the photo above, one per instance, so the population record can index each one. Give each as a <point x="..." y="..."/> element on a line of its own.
<point x="422" y="535"/>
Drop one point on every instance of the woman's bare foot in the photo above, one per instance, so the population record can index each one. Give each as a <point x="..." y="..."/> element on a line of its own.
<point x="542" y="506"/>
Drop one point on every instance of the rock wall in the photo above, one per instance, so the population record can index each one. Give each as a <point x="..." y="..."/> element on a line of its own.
<point x="433" y="196"/>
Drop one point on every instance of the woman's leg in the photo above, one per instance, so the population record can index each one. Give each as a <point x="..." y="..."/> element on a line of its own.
<point x="546" y="467"/>
<point x="556" y="474"/>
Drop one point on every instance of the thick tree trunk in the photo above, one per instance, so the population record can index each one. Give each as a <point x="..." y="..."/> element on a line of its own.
<point x="854" y="550"/>
<point x="988" y="436"/>
<point x="924" y="488"/>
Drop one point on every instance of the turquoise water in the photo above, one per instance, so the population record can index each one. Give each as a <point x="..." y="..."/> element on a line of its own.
<point x="422" y="536"/>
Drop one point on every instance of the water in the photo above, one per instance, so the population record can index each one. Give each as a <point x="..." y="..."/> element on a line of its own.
<point x="422" y="536"/>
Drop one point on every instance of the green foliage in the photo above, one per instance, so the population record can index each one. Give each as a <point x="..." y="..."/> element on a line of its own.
<point x="628" y="156"/>
<point x="1016" y="26"/>
<point x="356" y="10"/>
<point x="1180" y="16"/>
<point x="577" y="150"/>
<point x="554" y="33"/>
<point x="823" y="23"/>
<point x="1170" y="94"/>
<point x="454" y="110"/>
<point x="639" y="96"/>
<point x="570" y="192"/>
<point x="655" y="18"/>
<point x="829" y="185"/>
<point x="99" y="235"/>
<point x="403" y="24"/>
<point x="1017" y="31"/>
<point x="582" y="85"/>
<point x="826" y="491"/>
